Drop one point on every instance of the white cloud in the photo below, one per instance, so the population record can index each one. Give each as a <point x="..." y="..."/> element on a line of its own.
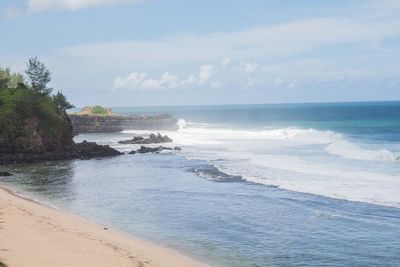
<point x="279" y="51"/>
<point x="226" y="62"/>
<point x="249" y="67"/>
<point x="139" y="81"/>
<point x="191" y="80"/>
<point x="205" y="74"/>
<point x="42" y="5"/>
<point x="262" y="43"/>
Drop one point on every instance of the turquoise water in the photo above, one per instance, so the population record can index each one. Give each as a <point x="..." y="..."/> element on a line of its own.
<point x="263" y="185"/>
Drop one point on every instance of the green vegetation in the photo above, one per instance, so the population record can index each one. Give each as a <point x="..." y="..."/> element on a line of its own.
<point x="96" y="110"/>
<point x="23" y="98"/>
<point x="99" y="110"/>
<point x="2" y="264"/>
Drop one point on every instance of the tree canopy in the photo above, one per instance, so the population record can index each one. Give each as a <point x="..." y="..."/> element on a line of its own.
<point x="38" y="76"/>
<point x="61" y="101"/>
<point x="24" y="97"/>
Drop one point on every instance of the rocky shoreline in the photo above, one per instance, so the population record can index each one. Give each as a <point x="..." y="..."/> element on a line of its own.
<point x="83" y="123"/>
<point x="84" y="150"/>
<point x="34" y="144"/>
<point x="69" y="150"/>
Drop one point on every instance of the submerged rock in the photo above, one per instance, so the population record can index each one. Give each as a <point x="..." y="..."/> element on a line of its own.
<point x="212" y="173"/>
<point x="5" y="174"/>
<point x="145" y="149"/>
<point x="158" y="149"/>
<point x="152" y="139"/>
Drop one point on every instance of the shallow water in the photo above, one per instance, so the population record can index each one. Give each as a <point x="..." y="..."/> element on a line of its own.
<point x="221" y="223"/>
<point x="247" y="193"/>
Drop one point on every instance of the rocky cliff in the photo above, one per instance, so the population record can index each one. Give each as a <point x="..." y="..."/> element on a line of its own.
<point x="33" y="144"/>
<point x="34" y="125"/>
<point x="116" y="123"/>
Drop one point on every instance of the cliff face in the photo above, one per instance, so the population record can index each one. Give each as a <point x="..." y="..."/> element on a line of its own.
<point x="32" y="138"/>
<point x="117" y="123"/>
<point x="33" y="123"/>
<point x="33" y="144"/>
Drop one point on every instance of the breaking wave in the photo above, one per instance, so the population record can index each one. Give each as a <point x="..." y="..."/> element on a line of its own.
<point x="321" y="162"/>
<point x="349" y="150"/>
<point x="336" y="143"/>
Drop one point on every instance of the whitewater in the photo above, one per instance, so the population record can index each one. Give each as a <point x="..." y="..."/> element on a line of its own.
<point x="320" y="162"/>
<point x="254" y="185"/>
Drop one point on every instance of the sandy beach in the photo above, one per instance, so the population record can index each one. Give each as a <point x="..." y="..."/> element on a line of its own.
<point x="38" y="236"/>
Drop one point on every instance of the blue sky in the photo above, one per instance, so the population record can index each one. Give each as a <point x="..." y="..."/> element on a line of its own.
<point x="171" y="52"/>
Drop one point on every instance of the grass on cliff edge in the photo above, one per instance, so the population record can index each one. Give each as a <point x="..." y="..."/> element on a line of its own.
<point x="99" y="110"/>
<point x="96" y="110"/>
<point x="2" y="264"/>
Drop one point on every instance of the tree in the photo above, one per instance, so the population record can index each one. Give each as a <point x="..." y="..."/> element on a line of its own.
<point x="62" y="102"/>
<point x="38" y="76"/>
<point x="10" y="79"/>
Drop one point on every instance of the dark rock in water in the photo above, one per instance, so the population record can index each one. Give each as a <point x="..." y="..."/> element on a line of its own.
<point x="144" y="149"/>
<point x="5" y="174"/>
<point x="92" y="150"/>
<point x="212" y="173"/>
<point x="137" y="138"/>
<point x="152" y="139"/>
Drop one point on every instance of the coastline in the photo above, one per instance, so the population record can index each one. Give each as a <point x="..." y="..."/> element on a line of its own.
<point x="32" y="234"/>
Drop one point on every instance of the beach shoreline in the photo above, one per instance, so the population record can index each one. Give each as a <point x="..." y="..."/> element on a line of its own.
<point x="33" y="234"/>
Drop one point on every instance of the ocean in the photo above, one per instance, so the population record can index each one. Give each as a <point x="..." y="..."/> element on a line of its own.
<point x="254" y="185"/>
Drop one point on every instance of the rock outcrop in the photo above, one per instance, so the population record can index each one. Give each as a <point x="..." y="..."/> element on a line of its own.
<point x="87" y="150"/>
<point x="33" y="144"/>
<point x="152" y="139"/>
<point x="157" y="149"/>
<point x="145" y="149"/>
<point x="117" y="123"/>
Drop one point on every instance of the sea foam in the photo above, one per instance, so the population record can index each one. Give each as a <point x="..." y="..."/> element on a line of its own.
<point x="321" y="162"/>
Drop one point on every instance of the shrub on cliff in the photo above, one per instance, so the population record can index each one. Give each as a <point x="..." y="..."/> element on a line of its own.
<point x="99" y="110"/>
<point x="22" y="99"/>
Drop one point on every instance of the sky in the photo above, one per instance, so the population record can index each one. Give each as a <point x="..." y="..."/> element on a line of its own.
<point x="176" y="52"/>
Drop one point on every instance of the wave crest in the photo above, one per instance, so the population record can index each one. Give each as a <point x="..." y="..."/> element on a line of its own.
<point x="181" y="124"/>
<point x="349" y="150"/>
